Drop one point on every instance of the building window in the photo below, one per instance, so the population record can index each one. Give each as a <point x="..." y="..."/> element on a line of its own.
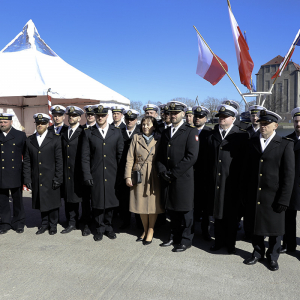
<point x="268" y="69"/>
<point x="273" y="69"/>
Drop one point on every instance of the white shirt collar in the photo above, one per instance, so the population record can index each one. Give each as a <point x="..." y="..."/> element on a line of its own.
<point x="103" y="129"/>
<point x="40" y="138"/>
<point x="255" y="129"/>
<point x="74" y="129"/>
<point x="227" y="131"/>
<point x="87" y="125"/>
<point x="132" y="130"/>
<point x="166" y="125"/>
<point x="264" y="143"/>
<point x="176" y="128"/>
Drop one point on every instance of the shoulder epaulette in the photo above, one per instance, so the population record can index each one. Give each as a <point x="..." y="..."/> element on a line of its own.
<point x="289" y="139"/>
<point x="243" y="130"/>
<point x="192" y="126"/>
<point x="86" y="128"/>
<point x="57" y="134"/>
<point x="118" y="127"/>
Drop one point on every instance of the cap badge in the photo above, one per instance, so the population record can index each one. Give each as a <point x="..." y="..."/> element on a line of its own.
<point x="40" y="116"/>
<point x="222" y="108"/>
<point x="199" y="109"/>
<point x="89" y="108"/>
<point x="57" y="108"/>
<point x="227" y="103"/>
<point x="100" y="108"/>
<point x="129" y="113"/>
<point x="173" y="105"/>
<point x="263" y="113"/>
<point x="72" y="109"/>
<point x="166" y="107"/>
<point x="148" y="105"/>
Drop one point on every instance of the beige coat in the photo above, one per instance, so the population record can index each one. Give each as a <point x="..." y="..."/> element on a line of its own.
<point x="145" y="196"/>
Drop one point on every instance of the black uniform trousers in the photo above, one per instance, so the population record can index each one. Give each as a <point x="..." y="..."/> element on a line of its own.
<point x="225" y="231"/>
<point x="103" y="219"/>
<point x="289" y="238"/>
<point x="18" y="220"/>
<point x="86" y="215"/>
<point x="72" y="213"/>
<point x="182" y="227"/>
<point x="273" y="250"/>
<point x="50" y="218"/>
<point x="201" y="211"/>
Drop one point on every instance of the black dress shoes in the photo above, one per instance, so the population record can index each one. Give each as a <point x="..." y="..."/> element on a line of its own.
<point x="139" y="239"/>
<point x="273" y="265"/>
<point x="167" y="243"/>
<point x="52" y="230"/>
<point x="98" y="237"/>
<point x="145" y="243"/>
<point x="180" y="248"/>
<point x="42" y="230"/>
<point x="252" y="260"/>
<point x="68" y="229"/>
<point x="215" y="247"/>
<point x="111" y="235"/>
<point x="20" y="230"/>
<point x="86" y="231"/>
<point x="3" y="231"/>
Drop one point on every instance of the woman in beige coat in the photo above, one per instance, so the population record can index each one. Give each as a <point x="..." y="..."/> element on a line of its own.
<point x="145" y="196"/>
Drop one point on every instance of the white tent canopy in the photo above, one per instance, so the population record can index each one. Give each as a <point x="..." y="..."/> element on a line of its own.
<point x="29" y="68"/>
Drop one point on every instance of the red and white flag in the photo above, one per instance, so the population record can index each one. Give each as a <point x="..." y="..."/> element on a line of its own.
<point x="244" y="59"/>
<point x="208" y="66"/>
<point x="288" y="56"/>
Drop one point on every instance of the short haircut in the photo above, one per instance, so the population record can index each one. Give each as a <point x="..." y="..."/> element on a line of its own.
<point x="150" y="118"/>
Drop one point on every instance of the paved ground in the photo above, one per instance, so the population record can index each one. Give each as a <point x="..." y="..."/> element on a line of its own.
<point x="75" y="267"/>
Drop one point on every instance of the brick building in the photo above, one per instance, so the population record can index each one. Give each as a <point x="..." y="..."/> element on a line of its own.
<point x="286" y="92"/>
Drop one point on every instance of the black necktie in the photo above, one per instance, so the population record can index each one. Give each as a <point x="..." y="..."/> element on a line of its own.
<point x="223" y="133"/>
<point x="265" y="140"/>
<point x="70" y="133"/>
<point x="103" y="132"/>
<point x="129" y="133"/>
<point x="173" y="130"/>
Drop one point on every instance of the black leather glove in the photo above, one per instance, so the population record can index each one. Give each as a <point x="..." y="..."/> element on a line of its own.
<point x="55" y="185"/>
<point x="89" y="182"/>
<point x="167" y="176"/>
<point x="280" y="208"/>
<point x="29" y="186"/>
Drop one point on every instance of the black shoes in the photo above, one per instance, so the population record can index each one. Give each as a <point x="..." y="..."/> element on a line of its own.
<point x="19" y="230"/>
<point x="139" y="239"/>
<point x="86" y="231"/>
<point x="42" y="230"/>
<point x="111" y="235"/>
<point x="98" y="237"/>
<point x="273" y="265"/>
<point x="167" y="243"/>
<point x="68" y="229"/>
<point x="251" y="260"/>
<point x="3" y="231"/>
<point x="145" y="243"/>
<point x="52" y="230"/>
<point x="180" y="248"/>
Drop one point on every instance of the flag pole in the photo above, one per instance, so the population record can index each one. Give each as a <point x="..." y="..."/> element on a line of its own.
<point x="221" y="66"/>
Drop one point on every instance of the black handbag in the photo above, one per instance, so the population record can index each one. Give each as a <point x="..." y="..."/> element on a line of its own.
<point x="136" y="176"/>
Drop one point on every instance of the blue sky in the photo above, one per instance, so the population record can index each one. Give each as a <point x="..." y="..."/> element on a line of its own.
<point x="147" y="50"/>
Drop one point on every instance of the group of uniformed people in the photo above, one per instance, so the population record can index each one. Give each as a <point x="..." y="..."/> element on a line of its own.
<point x="231" y="171"/>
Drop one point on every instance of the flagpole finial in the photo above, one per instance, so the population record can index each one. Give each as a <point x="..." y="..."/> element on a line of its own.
<point x="229" y="4"/>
